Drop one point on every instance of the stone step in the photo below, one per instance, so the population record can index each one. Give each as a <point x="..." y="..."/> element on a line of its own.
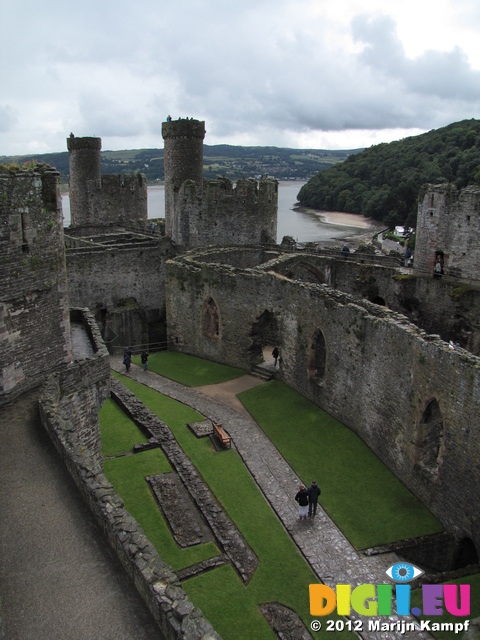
<point x="262" y="372"/>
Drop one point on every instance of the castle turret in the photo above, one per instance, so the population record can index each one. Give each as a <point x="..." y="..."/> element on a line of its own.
<point x="84" y="159"/>
<point x="183" y="161"/>
<point x="34" y="314"/>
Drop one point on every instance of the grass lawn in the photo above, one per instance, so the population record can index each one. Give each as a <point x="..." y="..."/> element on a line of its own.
<point x="118" y="432"/>
<point x="474" y="582"/>
<point x="364" y="499"/>
<point x="282" y="575"/>
<point x="189" y="370"/>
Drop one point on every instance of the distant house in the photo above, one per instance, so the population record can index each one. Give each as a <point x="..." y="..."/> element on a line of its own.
<point x="399" y="231"/>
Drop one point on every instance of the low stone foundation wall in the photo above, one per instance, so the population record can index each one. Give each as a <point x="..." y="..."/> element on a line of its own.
<point x="157" y="584"/>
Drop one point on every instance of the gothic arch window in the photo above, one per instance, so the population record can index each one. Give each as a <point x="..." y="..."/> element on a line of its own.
<point x="317" y="357"/>
<point x="430" y="437"/>
<point x="211" y="319"/>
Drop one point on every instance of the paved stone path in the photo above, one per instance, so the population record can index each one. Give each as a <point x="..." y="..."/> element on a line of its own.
<point x="59" y="580"/>
<point x="330" y="555"/>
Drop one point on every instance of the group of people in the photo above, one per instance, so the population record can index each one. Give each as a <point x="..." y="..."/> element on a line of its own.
<point x="307" y="500"/>
<point x="127" y="359"/>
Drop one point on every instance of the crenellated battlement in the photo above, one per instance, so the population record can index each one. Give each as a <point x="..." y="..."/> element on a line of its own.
<point x="183" y="128"/>
<point x="221" y="213"/>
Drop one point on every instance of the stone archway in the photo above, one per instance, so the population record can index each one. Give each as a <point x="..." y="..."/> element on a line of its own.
<point x="317" y="357"/>
<point x="430" y="437"/>
<point x="379" y="300"/>
<point x="264" y="335"/>
<point x="466" y="554"/>
<point x="210" y="319"/>
<point x="318" y="276"/>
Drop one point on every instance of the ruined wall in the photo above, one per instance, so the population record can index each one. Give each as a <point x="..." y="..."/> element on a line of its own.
<point x="123" y="285"/>
<point x="365" y="365"/>
<point x="117" y="200"/>
<point x="446" y="307"/>
<point x="34" y="320"/>
<point x="448" y="221"/>
<point x="183" y="153"/>
<point x="155" y="581"/>
<point x="224" y="215"/>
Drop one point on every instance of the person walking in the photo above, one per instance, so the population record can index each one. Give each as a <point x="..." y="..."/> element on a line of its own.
<point x="144" y="359"/>
<point x="302" y="499"/>
<point x="313" y="492"/>
<point x="127" y="361"/>
<point x="275" y="354"/>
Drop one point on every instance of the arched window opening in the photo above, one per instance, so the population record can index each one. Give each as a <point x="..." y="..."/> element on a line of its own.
<point x="211" y="319"/>
<point x="317" y="357"/>
<point x="430" y="437"/>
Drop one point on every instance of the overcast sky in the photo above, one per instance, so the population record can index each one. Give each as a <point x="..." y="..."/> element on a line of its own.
<point x="334" y="74"/>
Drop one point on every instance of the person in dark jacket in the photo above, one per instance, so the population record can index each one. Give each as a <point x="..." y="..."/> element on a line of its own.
<point x="275" y="354"/>
<point x="302" y="499"/>
<point x="313" y="492"/>
<point x="144" y="359"/>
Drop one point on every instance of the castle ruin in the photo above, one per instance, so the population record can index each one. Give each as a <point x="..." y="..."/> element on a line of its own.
<point x="359" y="337"/>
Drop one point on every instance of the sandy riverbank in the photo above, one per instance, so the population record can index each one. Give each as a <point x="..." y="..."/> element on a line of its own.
<point x="339" y="218"/>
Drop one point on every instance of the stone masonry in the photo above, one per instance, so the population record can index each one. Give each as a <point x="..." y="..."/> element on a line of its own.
<point x="448" y="224"/>
<point x="409" y="396"/>
<point x="34" y="320"/>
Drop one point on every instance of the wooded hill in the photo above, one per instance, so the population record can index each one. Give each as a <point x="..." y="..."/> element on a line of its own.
<point x="234" y="162"/>
<point x="383" y="181"/>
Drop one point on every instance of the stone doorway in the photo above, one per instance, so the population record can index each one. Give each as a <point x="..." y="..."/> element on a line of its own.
<point x="264" y="337"/>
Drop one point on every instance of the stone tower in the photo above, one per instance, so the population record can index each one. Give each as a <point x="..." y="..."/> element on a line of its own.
<point x="34" y="311"/>
<point x="183" y="161"/>
<point x="84" y="159"/>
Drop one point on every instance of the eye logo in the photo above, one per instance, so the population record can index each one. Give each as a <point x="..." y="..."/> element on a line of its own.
<point x="403" y="572"/>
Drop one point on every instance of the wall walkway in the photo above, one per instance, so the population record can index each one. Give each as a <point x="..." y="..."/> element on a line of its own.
<point x="59" y="580"/>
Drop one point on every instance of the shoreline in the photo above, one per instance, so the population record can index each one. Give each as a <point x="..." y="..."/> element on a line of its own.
<point x="341" y="218"/>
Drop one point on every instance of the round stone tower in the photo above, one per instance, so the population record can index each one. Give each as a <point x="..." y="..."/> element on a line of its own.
<point x="183" y="152"/>
<point x="84" y="159"/>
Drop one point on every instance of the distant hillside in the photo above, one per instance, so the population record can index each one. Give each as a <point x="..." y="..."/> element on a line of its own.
<point x="219" y="160"/>
<point x="383" y="181"/>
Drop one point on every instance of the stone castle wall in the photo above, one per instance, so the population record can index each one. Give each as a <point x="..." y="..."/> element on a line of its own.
<point x="445" y="307"/>
<point x="99" y="201"/>
<point x="117" y="200"/>
<point x="365" y="365"/>
<point x="154" y="580"/>
<point x="34" y="317"/>
<point x="221" y="214"/>
<point x="449" y="222"/>
<point x="118" y="281"/>
<point x="199" y="213"/>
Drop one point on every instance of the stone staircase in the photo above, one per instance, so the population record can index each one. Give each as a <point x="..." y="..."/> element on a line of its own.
<point x="263" y="371"/>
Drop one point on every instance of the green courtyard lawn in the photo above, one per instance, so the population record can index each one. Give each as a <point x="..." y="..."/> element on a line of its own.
<point x="474" y="582"/>
<point x="189" y="370"/>
<point x="364" y="499"/>
<point x="282" y="574"/>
